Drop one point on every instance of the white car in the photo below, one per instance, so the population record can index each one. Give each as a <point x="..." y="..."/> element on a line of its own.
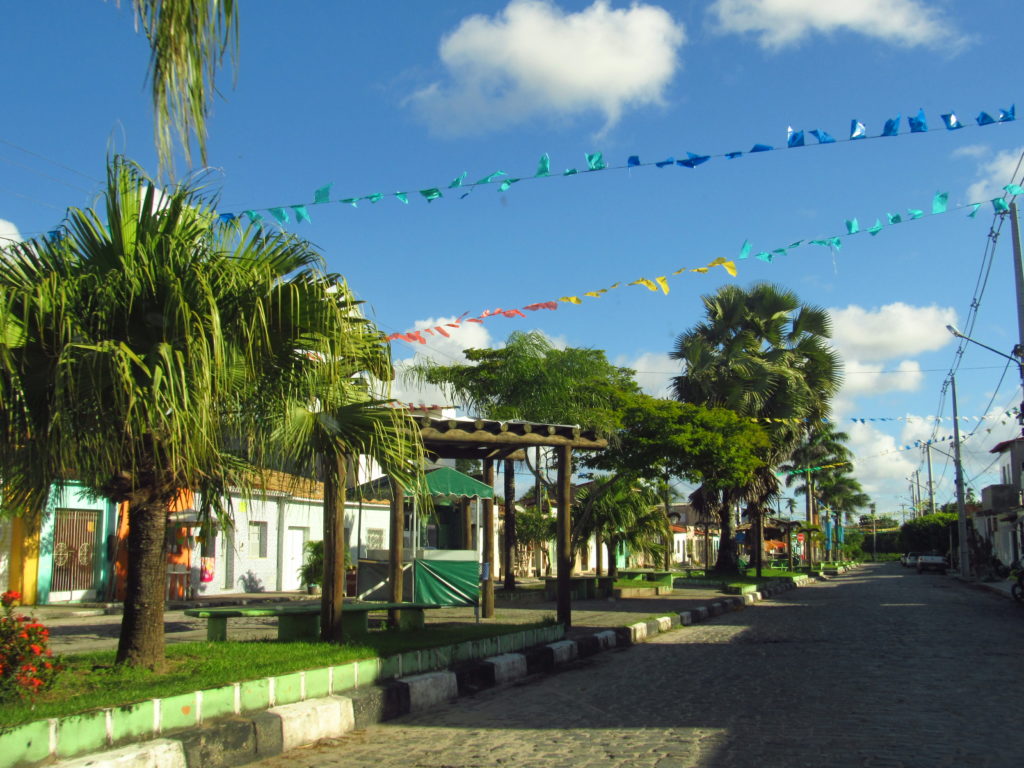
<point x="909" y="560"/>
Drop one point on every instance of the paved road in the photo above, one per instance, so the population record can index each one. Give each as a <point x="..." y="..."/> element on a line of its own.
<point x="878" y="668"/>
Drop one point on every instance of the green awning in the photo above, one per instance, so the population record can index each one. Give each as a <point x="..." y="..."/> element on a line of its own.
<point x="448" y="482"/>
<point x="443" y="482"/>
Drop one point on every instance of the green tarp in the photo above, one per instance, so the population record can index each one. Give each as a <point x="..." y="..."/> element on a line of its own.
<point x="442" y="482"/>
<point x="446" y="582"/>
<point x="448" y="482"/>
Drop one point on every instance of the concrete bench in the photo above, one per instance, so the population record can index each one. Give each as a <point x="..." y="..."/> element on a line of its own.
<point x="301" y="621"/>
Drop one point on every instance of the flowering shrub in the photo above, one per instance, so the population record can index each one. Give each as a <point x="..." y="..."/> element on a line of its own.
<point x="27" y="666"/>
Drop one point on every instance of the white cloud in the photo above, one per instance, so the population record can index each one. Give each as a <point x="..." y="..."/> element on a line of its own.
<point x="438" y="349"/>
<point x="971" y="150"/>
<point x="878" y="378"/>
<point x="891" y="331"/>
<point x="654" y="372"/>
<point x="994" y="174"/>
<point x="879" y="464"/>
<point x="8" y="233"/>
<point x="533" y="59"/>
<point x="779" y="23"/>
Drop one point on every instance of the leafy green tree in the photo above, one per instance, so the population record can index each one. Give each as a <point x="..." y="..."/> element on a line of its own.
<point x="764" y="355"/>
<point x="930" y="533"/>
<point x="155" y="348"/>
<point x="531" y="379"/>
<point x="714" y="447"/>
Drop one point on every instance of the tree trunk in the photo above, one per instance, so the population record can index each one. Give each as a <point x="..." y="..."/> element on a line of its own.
<point x="613" y="565"/>
<point x="333" y="595"/>
<point x="141" y="643"/>
<point x="510" y="527"/>
<point x="727" y="564"/>
<point x="669" y="541"/>
<point x="597" y="553"/>
<point x="760" y="541"/>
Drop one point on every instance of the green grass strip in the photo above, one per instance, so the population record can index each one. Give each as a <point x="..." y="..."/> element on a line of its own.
<point x="93" y="681"/>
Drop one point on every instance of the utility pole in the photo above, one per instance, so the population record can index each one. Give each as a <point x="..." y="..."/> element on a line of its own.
<point x="961" y="510"/>
<point x="931" y="488"/>
<point x="1018" y="272"/>
<point x="874" y="536"/>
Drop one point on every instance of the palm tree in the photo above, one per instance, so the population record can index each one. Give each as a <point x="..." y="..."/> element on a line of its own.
<point x="621" y="510"/>
<point x="820" y="444"/>
<point x="163" y="349"/>
<point x="763" y="354"/>
<point x="188" y="39"/>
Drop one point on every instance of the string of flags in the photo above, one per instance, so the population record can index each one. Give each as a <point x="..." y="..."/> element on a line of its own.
<point x="1008" y="414"/>
<point x="900" y="449"/>
<point x="595" y="162"/>
<point x="939" y="205"/>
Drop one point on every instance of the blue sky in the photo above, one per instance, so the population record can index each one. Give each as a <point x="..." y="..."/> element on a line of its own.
<point x="378" y="97"/>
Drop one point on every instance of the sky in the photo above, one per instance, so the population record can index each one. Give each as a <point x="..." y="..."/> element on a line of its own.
<point x="379" y="98"/>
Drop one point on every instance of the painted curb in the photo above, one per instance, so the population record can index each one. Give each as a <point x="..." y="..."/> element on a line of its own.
<point x="507" y="667"/>
<point x="159" y="753"/>
<point x="305" y="722"/>
<point x="428" y="690"/>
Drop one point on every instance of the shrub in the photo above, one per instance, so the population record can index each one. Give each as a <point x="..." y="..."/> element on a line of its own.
<point x="27" y="666"/>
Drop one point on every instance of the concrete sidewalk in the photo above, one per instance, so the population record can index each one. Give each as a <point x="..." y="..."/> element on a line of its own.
<point x="79" y="629"/>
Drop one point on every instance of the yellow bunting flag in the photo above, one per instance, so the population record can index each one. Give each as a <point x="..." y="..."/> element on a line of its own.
<point x="646" y="283"/>
<point x="728" y="266"/>
<point x="663" y="282"/>
<point x="572" y="299"/>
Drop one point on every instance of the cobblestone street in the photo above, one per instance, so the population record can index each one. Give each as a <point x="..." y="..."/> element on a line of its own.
<point x="877" y="668"/>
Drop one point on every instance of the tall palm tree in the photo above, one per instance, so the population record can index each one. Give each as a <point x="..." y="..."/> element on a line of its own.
<point x="763" y="354"/>
<point x="156" y="348"/>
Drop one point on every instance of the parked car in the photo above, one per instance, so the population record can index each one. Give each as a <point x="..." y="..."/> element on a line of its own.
<point x="932" y="561"/>
<point x="909" y="560"/>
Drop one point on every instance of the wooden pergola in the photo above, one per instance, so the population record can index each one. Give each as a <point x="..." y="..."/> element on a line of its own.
<point x="488" y="441"/>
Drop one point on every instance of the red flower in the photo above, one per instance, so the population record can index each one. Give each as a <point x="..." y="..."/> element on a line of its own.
<point x="36" y="650"/>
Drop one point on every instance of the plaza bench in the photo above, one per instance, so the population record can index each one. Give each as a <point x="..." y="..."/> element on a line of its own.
<point x="301" y="621"/>
<point x="645" y="574"/>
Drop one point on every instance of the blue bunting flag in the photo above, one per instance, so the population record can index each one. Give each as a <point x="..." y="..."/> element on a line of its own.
<point x="322" y="195"/>
<point x="918" y="124"/>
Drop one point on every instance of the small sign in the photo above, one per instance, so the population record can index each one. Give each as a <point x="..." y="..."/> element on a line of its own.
<point x="800" y="537"/>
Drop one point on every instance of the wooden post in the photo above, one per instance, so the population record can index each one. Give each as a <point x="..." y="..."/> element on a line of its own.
<point x="488" y="555"/>
<point x="564" y="545"/>
<point x="395" y="575"/>
<point x="509" y="561"/>
<point x="467" y="524"/>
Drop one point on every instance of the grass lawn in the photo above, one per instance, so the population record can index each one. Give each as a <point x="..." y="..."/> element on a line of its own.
<point x="91" y="680"/>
